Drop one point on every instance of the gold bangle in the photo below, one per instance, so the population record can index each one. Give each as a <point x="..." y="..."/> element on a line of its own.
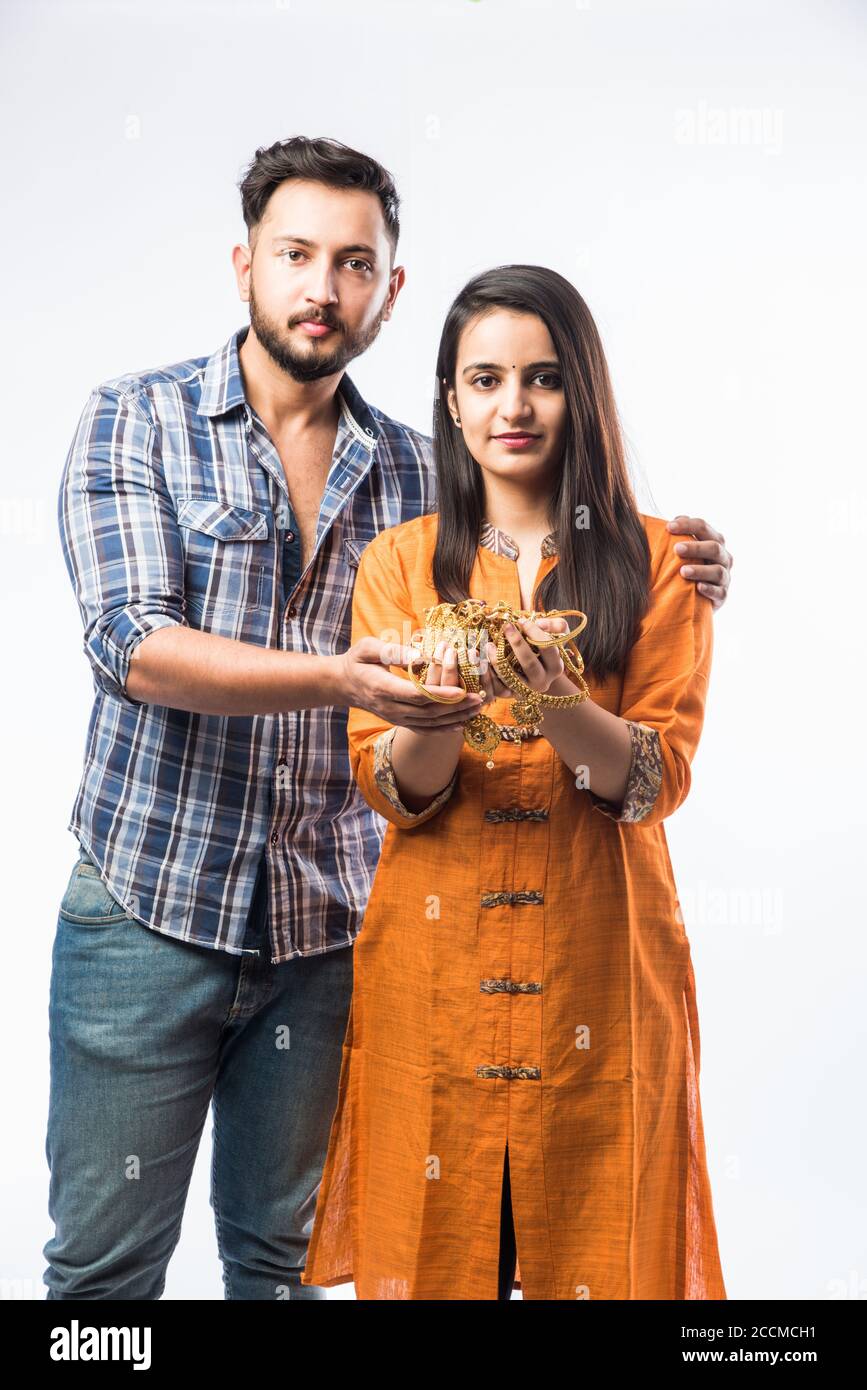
<point x="462" y="624"/>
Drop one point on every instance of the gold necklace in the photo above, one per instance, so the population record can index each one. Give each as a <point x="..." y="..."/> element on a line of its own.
<point x="468" y="625"/>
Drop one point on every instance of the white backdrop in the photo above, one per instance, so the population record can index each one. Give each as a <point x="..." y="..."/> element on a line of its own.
<point x="697" y="170"/>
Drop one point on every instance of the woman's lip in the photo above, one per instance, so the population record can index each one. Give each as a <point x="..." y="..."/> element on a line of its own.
<point x="516" y="441"/>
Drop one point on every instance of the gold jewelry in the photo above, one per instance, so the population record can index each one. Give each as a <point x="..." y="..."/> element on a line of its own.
<point x="463" y="625"/>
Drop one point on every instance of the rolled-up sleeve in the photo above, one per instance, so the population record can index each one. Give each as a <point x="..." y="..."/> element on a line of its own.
<point x="664" y="692"/>
<point x="381" y="609"/>
<point x="120" y="537"/>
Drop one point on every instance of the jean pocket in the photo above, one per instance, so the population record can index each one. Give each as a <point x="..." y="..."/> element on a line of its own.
<point x="88" y="901"/>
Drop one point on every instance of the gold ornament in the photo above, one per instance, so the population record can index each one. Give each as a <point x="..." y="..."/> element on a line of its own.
<point x="467" y="626"/>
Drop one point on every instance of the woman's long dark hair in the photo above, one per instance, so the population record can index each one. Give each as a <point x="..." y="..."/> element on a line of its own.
<point x="604" y="567"/>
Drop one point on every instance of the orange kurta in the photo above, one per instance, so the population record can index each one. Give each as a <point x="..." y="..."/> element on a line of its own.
<point x="610" y="1190"/>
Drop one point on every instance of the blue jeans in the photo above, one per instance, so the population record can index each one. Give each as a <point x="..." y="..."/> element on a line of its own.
<point x="145" y="1033"/>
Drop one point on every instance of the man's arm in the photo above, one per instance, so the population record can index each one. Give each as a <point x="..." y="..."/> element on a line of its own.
<point x="707" y="563"/>
<point x="125" y="557"/>
<point x="205" y="674"/>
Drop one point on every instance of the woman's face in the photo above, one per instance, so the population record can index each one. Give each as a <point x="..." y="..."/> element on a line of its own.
<point x="508" y="395"/>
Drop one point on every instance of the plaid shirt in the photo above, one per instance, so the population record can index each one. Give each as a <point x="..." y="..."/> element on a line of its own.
<point x="174" y="510"/>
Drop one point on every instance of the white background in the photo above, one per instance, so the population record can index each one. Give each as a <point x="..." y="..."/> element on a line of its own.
<point x="697" y="170"/>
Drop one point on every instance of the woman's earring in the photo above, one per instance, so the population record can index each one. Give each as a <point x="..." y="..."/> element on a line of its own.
<point x="458" y="421"/>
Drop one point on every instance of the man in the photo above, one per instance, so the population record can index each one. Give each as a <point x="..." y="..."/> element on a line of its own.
<point x="212" y="514"/>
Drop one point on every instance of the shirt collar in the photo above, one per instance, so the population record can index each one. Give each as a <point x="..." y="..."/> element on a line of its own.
<point x="223" y="385"/>
<point x="501" y="543"/>
<point x="223" y="389"/>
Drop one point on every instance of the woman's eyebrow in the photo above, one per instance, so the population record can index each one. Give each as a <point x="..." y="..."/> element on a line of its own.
<point x="498" y="367"/>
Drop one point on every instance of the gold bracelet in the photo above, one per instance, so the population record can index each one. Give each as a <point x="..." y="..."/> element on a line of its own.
<point x="470" y="623"/>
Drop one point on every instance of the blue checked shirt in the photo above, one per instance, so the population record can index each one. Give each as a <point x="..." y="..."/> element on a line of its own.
<point x="173" y="510"/>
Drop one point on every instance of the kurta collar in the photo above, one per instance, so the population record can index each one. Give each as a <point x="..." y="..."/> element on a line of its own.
<point x="501" y="543"/>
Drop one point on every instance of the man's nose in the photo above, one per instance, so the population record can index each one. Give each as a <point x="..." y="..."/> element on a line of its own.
<point x="321" y="288"/>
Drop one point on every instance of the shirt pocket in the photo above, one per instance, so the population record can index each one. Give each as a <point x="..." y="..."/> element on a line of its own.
<point x="353" y="546"/>
<point x="226" y="554"/>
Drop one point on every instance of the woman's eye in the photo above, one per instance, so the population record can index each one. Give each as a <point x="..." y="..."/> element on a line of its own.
<point x="548" y="379"/>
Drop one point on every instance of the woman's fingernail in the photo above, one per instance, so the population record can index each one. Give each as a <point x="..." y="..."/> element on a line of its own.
<point x="681" y="547"/>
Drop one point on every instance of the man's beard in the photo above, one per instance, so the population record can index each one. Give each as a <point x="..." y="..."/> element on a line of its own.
<point x="311" y="366"/>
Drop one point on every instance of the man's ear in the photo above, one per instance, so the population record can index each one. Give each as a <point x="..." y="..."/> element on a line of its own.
<point x="242" y="260"/>
<point x="395" y="285"/>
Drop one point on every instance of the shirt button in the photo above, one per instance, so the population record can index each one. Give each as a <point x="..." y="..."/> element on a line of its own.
<point x="292" y="611"/>
<point x="290" y="535"/>
<point x="274" y="837"/>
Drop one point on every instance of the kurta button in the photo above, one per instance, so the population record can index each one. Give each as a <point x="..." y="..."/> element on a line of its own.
<point x="529" y="896"/>
<point x="511" y="1073"/>
<point x="510" y="986"/>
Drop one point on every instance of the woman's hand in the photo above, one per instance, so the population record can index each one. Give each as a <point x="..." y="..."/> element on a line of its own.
<point x="444" y="670"/>
<point x="540" y="671"/>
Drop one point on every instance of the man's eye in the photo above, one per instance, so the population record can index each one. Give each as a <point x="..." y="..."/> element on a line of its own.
<point x="353" y="260"/>
<point x="291" y="251"/>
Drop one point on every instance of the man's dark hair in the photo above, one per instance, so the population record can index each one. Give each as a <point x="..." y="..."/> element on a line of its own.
<point x="324" y="160"/>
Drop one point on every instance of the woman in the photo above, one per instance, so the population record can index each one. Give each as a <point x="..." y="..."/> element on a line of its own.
<point x="523" y="1040"/>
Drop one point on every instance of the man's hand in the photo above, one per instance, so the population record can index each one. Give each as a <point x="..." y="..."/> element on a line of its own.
<point x="713" y="574"/>
<point x="369" y="685"/>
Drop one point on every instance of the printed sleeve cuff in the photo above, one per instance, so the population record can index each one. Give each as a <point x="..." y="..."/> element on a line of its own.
<point x="383" y="775"/>
<point x="645" y="777"/>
